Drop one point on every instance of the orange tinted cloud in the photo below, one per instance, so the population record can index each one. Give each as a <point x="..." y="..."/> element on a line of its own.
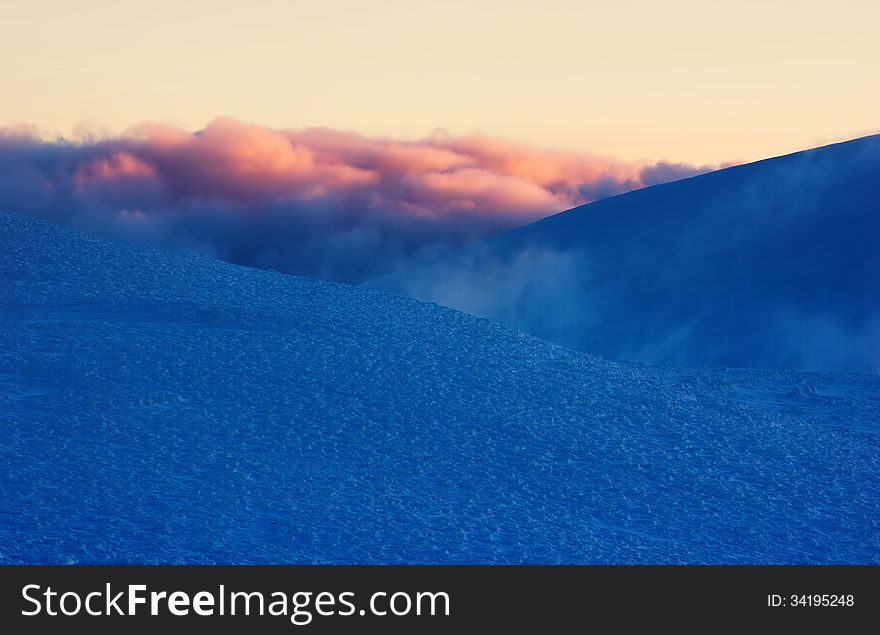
<point x="547" y="168"/>
<point x="120" y="165"/>
<point x="317" y="201"/>
<point x="478" y="188"/>
<point x="231" y="158"/>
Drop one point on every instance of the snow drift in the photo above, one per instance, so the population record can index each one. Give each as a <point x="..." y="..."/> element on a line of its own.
<point x="770" y="264"/>
<point x="168" y="407"/>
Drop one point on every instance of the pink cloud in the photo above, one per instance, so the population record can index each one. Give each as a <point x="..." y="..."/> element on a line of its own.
<point x="314" y="190"/>
<point x="120" y="165"/>
<point x="554" y="170"/>
<point x="234" y="159"/>
<point x="476" y="189"/>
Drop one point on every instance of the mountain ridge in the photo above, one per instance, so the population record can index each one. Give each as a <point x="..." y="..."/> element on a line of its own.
<point x="781" y="250"/>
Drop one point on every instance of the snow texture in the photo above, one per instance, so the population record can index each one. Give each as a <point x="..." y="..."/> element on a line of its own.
<point x="168" y="407"/>
<point x="772" y="264"/>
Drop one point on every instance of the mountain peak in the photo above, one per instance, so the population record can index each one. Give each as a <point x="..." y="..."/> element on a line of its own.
<point x="767" y="264"/>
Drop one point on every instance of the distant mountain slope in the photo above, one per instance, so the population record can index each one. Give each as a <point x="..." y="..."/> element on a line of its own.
<point x="770" y="264"/>
<point x="166" y="407"/>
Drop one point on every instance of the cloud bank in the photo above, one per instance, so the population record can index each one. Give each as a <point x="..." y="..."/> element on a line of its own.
<point x="316" y="202"/>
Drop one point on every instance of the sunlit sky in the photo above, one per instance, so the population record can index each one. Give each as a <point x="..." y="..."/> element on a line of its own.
<point x="682" y="80"/>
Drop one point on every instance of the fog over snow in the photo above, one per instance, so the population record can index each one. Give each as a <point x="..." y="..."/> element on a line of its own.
<point x="769" y="264"/>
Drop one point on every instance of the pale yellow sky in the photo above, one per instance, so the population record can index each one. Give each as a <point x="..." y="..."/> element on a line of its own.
<point x="680" y="79"/>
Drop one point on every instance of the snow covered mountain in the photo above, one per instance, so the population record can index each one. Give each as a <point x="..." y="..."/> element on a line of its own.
<point x="167" y="407"/>
<point x="770" y="264"/>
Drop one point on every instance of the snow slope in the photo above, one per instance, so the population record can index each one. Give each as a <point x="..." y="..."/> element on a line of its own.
<point x="167" y="407"/>
<point x="772" y="264"/>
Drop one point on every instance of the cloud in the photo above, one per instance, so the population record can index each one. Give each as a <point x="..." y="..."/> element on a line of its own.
<point x="318" y="202"/>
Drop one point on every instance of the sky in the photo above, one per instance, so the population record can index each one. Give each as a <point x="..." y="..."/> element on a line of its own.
<point x="343" y="139"/>
<point x="680" y="81"/>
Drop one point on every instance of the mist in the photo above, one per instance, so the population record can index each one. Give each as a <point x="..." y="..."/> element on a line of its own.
<point x="767" y="265"/>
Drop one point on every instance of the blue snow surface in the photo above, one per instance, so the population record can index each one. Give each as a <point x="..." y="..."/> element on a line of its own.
<point x="772" y="264"/>
<point x="162" y="407"/>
